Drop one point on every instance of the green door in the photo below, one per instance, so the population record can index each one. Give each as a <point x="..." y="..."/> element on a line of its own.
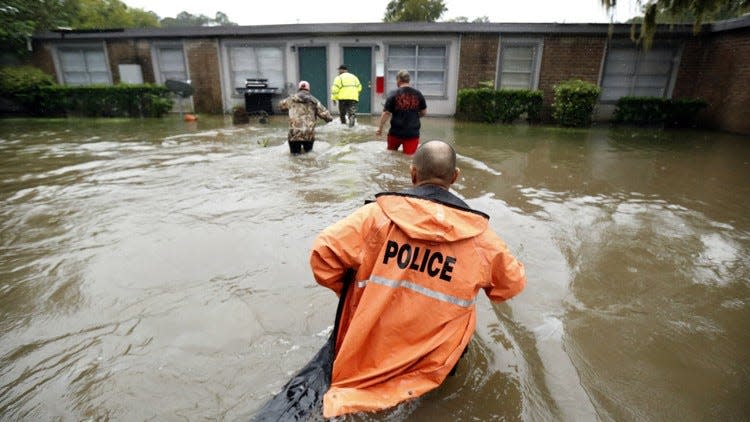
<point x="359" y="62"/>
<point x="312" y="68"/>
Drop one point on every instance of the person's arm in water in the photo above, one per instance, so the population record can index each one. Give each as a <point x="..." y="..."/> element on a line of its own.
<point x="323" y="112"/>
<point x="338" y="248"/>
<point x="383" y="118"/>
<point x="507" y="273"/>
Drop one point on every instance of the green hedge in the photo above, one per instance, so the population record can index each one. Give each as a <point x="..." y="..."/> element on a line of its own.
<point x="659" y="111"/>
<point x="574" y="102"/>
<point x="505" y="105"/>
<point x="36" y="93"/>
<point x="145" y="100"/>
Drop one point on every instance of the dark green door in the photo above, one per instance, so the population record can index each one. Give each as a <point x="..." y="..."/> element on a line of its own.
<point x="359" y="62"/>
<point x="312" y="68"/>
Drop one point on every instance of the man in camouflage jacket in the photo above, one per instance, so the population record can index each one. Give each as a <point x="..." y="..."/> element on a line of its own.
<point x="304" y="110"/>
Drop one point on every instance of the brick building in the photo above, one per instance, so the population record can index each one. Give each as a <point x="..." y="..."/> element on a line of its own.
<point x="442" y="57"/>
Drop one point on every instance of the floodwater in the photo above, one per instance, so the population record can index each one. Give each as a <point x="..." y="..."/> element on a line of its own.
<point x="158" y="269"/>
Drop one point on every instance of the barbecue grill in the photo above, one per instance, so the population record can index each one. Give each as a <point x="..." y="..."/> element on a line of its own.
<point x="258" y="95"/>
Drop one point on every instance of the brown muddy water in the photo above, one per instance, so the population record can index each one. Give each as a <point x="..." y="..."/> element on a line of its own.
<point x="158" y="270"/>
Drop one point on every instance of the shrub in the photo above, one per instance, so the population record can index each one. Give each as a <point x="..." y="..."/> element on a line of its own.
<point x="38" y="94"/>
<point x="574" y="102"/>
<point x="52" y="101"/>
<point x="510" y="104"/>
<point x="156" y="105"/>
<point x="683" y="112"/>
<point x="505" y="105"/>
<point x="640" y="110"/>
<point x="477" y="104"/>
<point x="22" y="84"/>
<point x="658" y="111"/>
<point x="123" y="100"/>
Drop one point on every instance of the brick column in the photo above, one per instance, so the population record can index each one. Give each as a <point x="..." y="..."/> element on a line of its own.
<point x="205" y="76"/>
<point x="569" y="57"/>
<point x="478" y="59"/>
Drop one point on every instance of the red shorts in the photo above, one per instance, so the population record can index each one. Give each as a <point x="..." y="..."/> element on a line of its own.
<point x="410" y="144"/>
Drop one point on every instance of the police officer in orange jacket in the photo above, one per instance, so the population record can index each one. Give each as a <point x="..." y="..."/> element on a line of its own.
<point x="420" y="258"/>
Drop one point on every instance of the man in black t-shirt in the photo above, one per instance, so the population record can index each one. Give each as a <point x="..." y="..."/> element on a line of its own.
<point x="404" y="106"/>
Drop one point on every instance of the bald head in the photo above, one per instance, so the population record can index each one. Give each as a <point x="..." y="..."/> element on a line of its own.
<point x="434" y="162"/>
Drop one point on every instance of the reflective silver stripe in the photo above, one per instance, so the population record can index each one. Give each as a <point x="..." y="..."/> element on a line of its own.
<point x="419" y="289"/>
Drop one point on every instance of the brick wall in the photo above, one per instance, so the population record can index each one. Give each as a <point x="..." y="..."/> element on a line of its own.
<point x="716" y="67"/>
<point x="478" y="59"/>
<point x="41" y="57"/>
<point x="130" y="52"/>
<point x="569" y="57"/>
<point x="203" y="63"/>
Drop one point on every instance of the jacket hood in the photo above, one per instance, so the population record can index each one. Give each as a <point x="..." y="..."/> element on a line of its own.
<point x="303" y="96"/>
<point x="431" y="220"/>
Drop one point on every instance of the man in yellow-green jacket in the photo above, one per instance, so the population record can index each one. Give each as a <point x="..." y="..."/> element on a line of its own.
<point x="345" y="90"/>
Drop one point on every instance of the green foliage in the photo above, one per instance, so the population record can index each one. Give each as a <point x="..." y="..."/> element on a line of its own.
<point x="477" y="104"/>
<point x="574" y="102"/>
<point x="639" y="110"/>
<point x="100" y="14"/>
<point x="658" y="111"/>
<point x="145" y="100"/>
<point x="414" y="10"/>
<point x="156" y="104"/>
<point x="683" y="112"/>
<point x="185" y="19"/>
<point x="512" y="103"/>
<point x="16" y="79"/>
<point x="680" y="11"/>
<point x="142" y="19"/>
<point x="22" y="84"/>
<point x="464" y="19"/>
<point x="19" y="19"/>
<point x="505" y="105"/>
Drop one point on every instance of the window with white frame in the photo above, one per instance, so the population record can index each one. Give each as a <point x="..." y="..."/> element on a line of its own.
<point x="519" y="64"/>
<point x="170" y="63"/>
<point x="83" y="65"/>
<point x="266" y="62"/>
<point x="427" y="65"/>
<point x="629" y="70"/>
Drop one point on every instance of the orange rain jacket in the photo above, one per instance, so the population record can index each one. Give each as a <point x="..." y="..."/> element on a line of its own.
<point x="410" y="311"/>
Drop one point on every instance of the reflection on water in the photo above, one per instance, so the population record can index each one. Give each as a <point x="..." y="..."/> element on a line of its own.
<point x="157" y="269"/>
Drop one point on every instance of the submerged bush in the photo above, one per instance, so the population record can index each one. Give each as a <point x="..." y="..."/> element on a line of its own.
<point x="513" y="103"/>
<point x="574" y="102"/>
<point x="658" y="111"/>
<point x="683" y="112"/>
<point x="477" y="104"/>
<point x="22" y="84"/>
<point x="123" y="100"/>
<point x="506" y="105"/>
<point x="36" y="93"/>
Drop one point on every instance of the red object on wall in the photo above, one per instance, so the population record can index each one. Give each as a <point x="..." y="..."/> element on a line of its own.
<point x="379" y="84"/>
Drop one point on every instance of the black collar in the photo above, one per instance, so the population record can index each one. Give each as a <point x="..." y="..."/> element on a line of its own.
<point x="434" y="193"/>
